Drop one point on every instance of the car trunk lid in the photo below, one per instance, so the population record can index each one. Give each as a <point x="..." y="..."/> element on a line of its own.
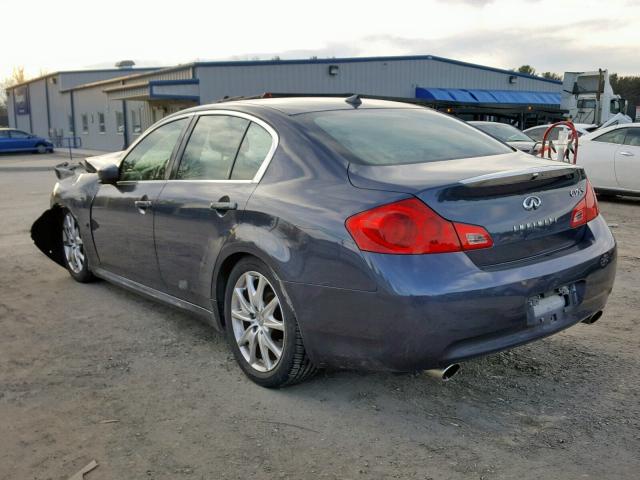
<point x="523" y="202"/>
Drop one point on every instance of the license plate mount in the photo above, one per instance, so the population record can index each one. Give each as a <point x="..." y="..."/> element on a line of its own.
<point x="548" y="308"/>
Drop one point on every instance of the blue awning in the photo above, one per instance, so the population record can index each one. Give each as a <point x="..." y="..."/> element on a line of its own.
<point x="511" y="97"/>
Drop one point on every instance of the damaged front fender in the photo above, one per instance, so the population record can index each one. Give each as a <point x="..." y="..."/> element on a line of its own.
<point x="46" y="234"/>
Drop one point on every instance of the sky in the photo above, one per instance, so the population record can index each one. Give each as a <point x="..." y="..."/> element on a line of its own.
<point x="550" y="35"/>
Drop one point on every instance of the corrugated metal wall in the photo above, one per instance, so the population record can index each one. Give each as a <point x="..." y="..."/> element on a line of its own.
<point x="397" y="78"/>
<point x="386" y="77"/>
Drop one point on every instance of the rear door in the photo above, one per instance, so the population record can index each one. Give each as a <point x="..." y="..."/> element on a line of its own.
<point x="5" y="141"/>
<point x="627" y="160"/>
<point x="219" y="168"/>
<point x="122" y="214"/>
<point x="597" y="156"/>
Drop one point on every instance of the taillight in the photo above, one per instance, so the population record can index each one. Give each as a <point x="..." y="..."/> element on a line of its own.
<point x="411" y="227"/>
<point x="586" y="209"/>
<point x="473" y="236"/>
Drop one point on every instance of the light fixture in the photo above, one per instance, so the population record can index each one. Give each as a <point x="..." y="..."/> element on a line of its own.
<point x="513" y="79"/>
<point x="333" y="70"/>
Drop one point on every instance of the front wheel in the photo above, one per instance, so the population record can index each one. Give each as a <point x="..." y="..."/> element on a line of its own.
<point x="262" y="329"/>
<point x="75" y="258"/>
<point x="41" y="148"/>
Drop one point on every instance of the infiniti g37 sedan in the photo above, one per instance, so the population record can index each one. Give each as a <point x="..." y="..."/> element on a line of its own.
<point x="324" y="232"/>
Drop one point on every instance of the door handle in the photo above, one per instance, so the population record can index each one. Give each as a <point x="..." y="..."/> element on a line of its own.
<point x="142" y="204"/>
<point x="223" y="206"/>
<point x="626" y="154"/>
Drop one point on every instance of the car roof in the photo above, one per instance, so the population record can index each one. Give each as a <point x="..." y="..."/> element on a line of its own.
<point x="299" y="105"/>
<point x="479" y="122"/>
<point x="600" y="131"/>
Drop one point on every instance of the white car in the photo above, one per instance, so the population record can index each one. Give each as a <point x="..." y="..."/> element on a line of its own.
<point x="508" y="134"/>
<point x="611" y="158"/>
<point x="538" y="132"/>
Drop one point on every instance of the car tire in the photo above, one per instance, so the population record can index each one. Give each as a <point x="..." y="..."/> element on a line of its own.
<point x="73" y="253"/>
<point x="260" y="322"/>
<point x="41" y="148"/>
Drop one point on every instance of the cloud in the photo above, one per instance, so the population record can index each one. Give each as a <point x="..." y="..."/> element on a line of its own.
<point x="546" y="50"/>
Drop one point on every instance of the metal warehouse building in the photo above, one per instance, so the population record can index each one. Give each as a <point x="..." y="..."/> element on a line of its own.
<point x="107" y="109"/>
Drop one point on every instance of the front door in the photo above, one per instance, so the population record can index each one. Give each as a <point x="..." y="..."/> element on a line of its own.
<point x="628" y="160"/>
<point x="205" y="200"/>
<point x="122" y="214"/>
<point x="21" y="140"/>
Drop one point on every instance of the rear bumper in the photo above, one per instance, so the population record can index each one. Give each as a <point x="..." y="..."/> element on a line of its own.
<point x="432" y="310"/>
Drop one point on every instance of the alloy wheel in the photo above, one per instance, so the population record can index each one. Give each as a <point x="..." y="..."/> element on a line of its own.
<point x="72" y="243"/>
<point x="257" y="321"/>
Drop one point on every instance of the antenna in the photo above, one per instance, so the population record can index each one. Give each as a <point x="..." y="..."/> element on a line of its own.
<point x="354" y="100"/>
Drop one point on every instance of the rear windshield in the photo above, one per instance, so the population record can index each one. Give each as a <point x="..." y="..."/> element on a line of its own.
<point x="400" y="136"/>
<point x="504" y="132"/>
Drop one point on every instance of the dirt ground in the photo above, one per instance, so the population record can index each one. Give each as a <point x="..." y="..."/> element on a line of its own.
<point x="94" y="372"/>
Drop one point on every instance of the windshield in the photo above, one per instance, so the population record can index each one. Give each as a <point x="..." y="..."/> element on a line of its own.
<point x="584" y="103"/>
<point x="504" y="132"/>
<point x="399" y="136"/>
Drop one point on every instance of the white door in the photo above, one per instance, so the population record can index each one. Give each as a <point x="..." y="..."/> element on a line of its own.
<point x="597" y="156"/>
<point x="627" y="160"/>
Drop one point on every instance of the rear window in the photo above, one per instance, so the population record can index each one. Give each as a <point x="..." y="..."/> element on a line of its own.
<point x="401" y="136"/>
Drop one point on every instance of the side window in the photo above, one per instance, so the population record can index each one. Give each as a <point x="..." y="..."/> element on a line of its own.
<point x="148" y="159"/>
<point x="536" y="134"/>
<point x="253" y="150"/>
<point x="4" y="134"/>
<point x="633" y="137"/>
<point x="19" y="134"/>
<point x="85" y="123"/>
<point x="614" y="136"/>
<point x="101" y="125"/>
<point x="211" y="148"/>
<point x="136" y="120"/>
<point x="119" y="122"/>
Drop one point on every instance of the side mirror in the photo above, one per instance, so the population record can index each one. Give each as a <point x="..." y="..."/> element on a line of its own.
<point x="109" y="174"/>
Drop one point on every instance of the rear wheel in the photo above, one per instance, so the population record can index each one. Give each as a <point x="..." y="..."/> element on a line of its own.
<point x="262" y="329"/>
<point x="75" y="258"/>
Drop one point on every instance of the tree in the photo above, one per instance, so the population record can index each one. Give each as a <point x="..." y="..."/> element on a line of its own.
<point x="629" y="89"/>
<point x="551" y="76"/>
<point x="527" y="69"/>
<point x="17" y="76"/>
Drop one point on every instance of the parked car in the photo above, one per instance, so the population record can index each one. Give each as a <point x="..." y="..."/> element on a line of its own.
<point x="346" y="233"/>
<point x="611" y="158"/>
<point x="508" y="134"/>
<point x="536" y="133"/>
<point x="12" y="140"/>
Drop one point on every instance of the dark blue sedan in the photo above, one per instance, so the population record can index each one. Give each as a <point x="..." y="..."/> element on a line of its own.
<point x="332" y="232"/>
<point x="12" y="140"/>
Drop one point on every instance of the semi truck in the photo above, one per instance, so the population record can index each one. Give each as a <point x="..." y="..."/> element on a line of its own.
<point x="590" y="99"/>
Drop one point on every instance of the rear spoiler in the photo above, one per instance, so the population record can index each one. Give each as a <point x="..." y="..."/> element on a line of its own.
<point x="525" y="175"/>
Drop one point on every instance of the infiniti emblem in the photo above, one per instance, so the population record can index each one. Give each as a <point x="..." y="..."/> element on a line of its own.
<point x="532" y="203"/>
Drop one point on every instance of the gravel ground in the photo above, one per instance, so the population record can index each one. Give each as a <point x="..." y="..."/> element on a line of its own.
<point x="94" y="372"/>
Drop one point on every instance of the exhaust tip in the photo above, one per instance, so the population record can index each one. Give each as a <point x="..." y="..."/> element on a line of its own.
<point x="593" y="318"/>
<point x="445" y="374"/>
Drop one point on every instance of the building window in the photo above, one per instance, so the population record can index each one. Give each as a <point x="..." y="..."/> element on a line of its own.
<point x="85" y="123"/>
<point x="119" y="122"/>
<point x="101" y="126"/>
<point x="136" y="123"/>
